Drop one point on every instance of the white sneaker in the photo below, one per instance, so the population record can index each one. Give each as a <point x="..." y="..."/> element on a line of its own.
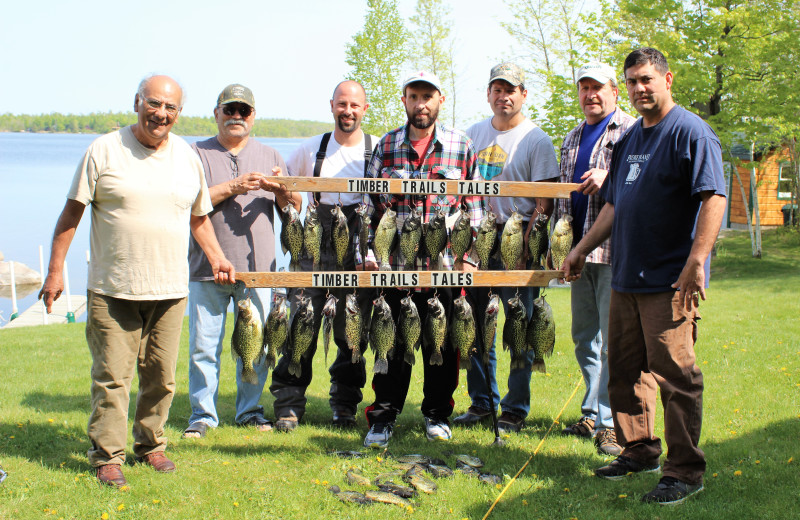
<point x="378" y="435"/>
<point x="437" y="430"/>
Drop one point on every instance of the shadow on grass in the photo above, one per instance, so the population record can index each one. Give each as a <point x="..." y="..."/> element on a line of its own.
<point x="52" y="445"/>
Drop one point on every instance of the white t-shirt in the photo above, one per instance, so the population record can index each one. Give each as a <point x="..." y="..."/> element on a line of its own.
<point x="340" y="161"/>
<point x="141" y="203"/>
<point x="524" y="153"/>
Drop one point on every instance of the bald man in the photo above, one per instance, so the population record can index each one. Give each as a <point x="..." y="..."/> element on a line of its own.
<point x="145" y="186"/>
<point x="342" y="153"/>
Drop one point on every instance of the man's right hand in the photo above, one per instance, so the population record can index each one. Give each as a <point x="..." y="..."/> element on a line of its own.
<point x="246" y="182"/>
<point x="51" y="290"/>
<point x="573" y="265"/>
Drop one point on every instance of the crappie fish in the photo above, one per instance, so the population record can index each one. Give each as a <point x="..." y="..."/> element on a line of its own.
<point x="511" y="241"/>
<point x="397" y="489"/>
<point x="381" y="334"/>
<point x="538" y="242"/>
<point x="420" y="482"/>
<point x="410" y="239"/>
<point x="434" y="332"/>
<point x="462" y="330"/>
<point x="302" y="332"/>
<point x="292" y="236"/>
<point x="353" y="326"/>
<point x="363" y="231"/>
<point x="490" y="325"/>
<point x="340" y="236"/>
<point x="435" y="237"/>
<point x="247" y="339"/>
<point x="328" y="315"/>
<point x="410" y="328"/>
<point x="460" y="238"/>
<point x="276" y="330"/>
<point x="541" y="333"/>
<point x="387" y="498"/>
<point x="354" y="476"/>
<point x="384" y="240"/>
<point x="561" y="241"/>
<point x="348" y="454"/>
<point x="349" y="496"/>
<point x="488" y="478"/>
<point x="469" y="460"/>
<point x="415" y="458"/>
<point x="514" y="332"/>
<point x="487" y="235"/>
<point x="312" y="236"/>
<point x="439" y="471"/>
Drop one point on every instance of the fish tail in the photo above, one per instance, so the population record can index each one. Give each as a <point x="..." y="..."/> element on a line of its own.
<point x="436" y="358"/>
<point x="465" y="363"/>
<point x="271" y="361"/>
<point x="517" y="363"/>
<point x="538" y="366"/>
<point x="249" y="375"/>
<point x="294" y="369"/>
<point x="381" y="366"/>
<point x="409" y="356"/>
<point x="356" y="356"/>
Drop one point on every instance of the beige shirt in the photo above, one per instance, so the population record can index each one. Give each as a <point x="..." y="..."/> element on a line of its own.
<point x="141" y="204"/>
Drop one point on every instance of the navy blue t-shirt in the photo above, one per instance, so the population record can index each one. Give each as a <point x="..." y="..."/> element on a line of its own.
<point x="654" y="182"/>
<point x="580" y="201"/>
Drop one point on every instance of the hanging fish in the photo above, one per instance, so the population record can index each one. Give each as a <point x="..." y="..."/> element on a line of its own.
<point x="328" y="315"/>
<point x="434" y="332"/>
<point x="353" y="326"/>
<point x="302" y="332"/>
<point x="561" y="241"/>
<point x="511" y="241"/>
<point x="276" y="330"/>
<point x="312" y="236"/>
<point x="514" y="332"/>
<point x="381" y="334"/>
<point x="462" y="330"/>
<point x="410" y="328"/>
<point x="541" y="333"/>
<point x="410" y="238"/>
<point x="538" y="242"/>
<point x="363" y="231"/>
<point x="247" y="338"/>
<point x="460" y="238"/>
<point x="384" y="240"/>
<point x="435" y="237"/>
<point x="490" y="325"/>
<point x="292" y="239"/>
<point x="487" y="235"/>
<point x="340" y="236"/>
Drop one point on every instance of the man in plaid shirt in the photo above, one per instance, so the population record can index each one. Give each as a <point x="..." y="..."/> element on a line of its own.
<point x="585" y="157"/>
<point x="422" y="149"/>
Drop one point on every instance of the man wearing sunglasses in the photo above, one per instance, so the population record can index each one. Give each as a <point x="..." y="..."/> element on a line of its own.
<point x="237" y="170"/>
<point x="145" y="186"/>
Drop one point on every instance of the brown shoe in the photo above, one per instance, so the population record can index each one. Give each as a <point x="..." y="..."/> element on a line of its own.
<point x="158" y="461"/>
<point x="510" y="422"/>
<point x="111" y="475"/>
<point x="582" y="428"/>
<point x="606" y="442"/>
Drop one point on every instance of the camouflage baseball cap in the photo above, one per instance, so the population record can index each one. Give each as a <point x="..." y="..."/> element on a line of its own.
<point x="508" y="72"/>
<point x="236" y="93"/>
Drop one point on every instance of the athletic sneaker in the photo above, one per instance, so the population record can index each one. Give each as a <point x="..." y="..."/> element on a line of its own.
<point x="622" y="466"/>
<point x="606" y="442"/>
<point x="437" y="430"/>
<point x="378" y="435"/>
<point x="671" y="491"/>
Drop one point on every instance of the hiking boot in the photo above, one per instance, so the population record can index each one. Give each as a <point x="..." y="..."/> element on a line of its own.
<point x="671" y="491"/>
<point x="582" y="428"/>
<point x="258" y="422"/>
<point x="437" y="430"/>
<point x="510" y="422"/>
<point x="343" y="420"/>
<point x="473" y="415"/>
<point x="378" y="435"/>
<point x="158" y="461"/>
<point x="622" y="466"/>
<point x="286" y="424"/>
<point x="111" y="475"/>
<point x="606" y="442"/>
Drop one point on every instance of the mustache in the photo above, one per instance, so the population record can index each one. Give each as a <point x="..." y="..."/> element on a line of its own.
<point x="239" y="122"/>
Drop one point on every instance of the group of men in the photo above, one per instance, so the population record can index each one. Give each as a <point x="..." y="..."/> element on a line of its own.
<point x="633" y="315"/>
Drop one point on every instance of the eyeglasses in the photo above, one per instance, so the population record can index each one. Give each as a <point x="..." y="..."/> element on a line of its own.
<point x="234" y="166"/>
<point x="156" y="104"/>
<point x="230" y="109"/>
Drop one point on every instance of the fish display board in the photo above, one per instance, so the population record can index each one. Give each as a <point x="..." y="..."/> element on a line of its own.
<point x="366" y="279"/>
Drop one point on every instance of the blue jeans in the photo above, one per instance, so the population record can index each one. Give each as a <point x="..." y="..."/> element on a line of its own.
<point x="208" y="309"/>
<point x="591" y="294"/>
<point x="518" y="398"/>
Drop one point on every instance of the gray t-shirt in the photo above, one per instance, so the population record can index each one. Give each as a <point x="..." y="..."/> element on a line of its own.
<point x="524" y="153"/>
<point x="244" y="223"/>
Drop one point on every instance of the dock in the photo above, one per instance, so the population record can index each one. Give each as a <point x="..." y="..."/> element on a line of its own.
<point x="33" y="316"/>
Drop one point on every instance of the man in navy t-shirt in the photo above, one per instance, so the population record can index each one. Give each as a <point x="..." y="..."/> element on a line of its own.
<point x="665" y="198"/>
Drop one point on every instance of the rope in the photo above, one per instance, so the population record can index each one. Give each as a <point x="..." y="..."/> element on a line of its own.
<point x="538" y="447"/>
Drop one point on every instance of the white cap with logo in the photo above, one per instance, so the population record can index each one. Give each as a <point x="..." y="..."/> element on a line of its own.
<point x="597" y="71"/>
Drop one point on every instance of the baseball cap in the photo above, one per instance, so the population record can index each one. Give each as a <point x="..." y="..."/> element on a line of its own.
<point x="424" y="76"/>
<point x="508" y="71"/>
<point x="597" y="71"/>
<point x="236" y="93"/>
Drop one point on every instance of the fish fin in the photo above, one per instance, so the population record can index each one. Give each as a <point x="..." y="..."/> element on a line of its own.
<point x="249" y="375"/>
<point x="271" y="361"/>
<point x="356" y="358"/>
<point x="517" y="363"/>
<point x="436" y="358"/>
<point x="381" y="366"/>
<point x="538" y="366"/>
<point x="465" y="363"/>
<point x="294" y="369"/>
<point x="409" y="356"/>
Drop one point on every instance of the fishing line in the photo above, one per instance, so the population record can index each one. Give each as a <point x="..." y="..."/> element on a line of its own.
<point x="541" y="442"/>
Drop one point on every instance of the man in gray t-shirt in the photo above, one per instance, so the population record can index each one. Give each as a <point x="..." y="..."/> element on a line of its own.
<point x="237" y="171"/>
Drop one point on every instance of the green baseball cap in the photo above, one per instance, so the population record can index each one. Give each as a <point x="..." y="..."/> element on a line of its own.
<point x="509" y="72"/>
<point x="236" y="93"/>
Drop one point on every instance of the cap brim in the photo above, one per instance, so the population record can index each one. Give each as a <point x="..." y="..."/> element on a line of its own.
<point x="508" y="80"/>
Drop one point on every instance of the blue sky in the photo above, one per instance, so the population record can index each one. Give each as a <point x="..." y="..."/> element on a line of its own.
<point x="89" y="56"/>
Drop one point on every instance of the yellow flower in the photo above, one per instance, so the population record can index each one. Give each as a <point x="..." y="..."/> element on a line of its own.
<point x="50" y="420"/>
<point x="524" y="502"/>
<point x="566" y="490"/>
<point x="236" y="504"/>
<point x="623" y="496"/>
<point x="737" y="473"/>
<point x="225" y="463"/>
<point x="758" y="462"/>
<point x="104" y="516"/>
<point x="324" y="482"/>
<point x="715" y="475"/>
<point x="156" y="501"/>
<point x="790" y="460"/>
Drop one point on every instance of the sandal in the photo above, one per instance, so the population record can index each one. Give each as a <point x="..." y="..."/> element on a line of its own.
<point x="259" y="423"/>
<point x="196" y="430"/>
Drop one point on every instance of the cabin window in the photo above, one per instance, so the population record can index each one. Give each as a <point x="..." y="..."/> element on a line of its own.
<point x="785" y="181"/>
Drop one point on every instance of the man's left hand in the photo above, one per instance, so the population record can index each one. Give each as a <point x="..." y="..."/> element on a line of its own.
<point x="692" y="284"/>
<point x="224" y="272"/>
<point x="274" y="187"/>
<point x="592" y="181"/>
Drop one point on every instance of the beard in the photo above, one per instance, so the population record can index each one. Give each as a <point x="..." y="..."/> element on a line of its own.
<point x="423" y="121"/>
<point x="347" y="125"/>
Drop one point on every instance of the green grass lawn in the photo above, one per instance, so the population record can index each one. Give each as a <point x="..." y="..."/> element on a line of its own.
<point x="749" y="350"/>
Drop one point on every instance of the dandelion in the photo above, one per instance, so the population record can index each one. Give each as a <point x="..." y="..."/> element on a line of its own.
<point x="104" y="516"/>
<point x="121" y="507"/>
<point x="758" y="462"/>
<point x="524" y="502"/>
<point x="225" y="463"/>
<point x="11" y="437"/>
<point x="236" y="504"/>
<point x="324" y="482"/>
<point x="715" y="475"/>
<point x="566" y="490"/>
<point x="498" y="486"/>
<point x="790" y="460"/>
<point x="737" y="473"/>
<point x="316" y="481"/>
<point x="623" y="496"/>
<point x="156" y="501"/>
<point x="379" y="459"/>
<point x="51" y="420"/>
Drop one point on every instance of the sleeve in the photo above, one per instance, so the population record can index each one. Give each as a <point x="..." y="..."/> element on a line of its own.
<point x="297" y="165"/>
<point x="85" y="180"/>
<point x="202" y="204"/>
<point x="542" y="160"/>
<point x="707" y="169"/>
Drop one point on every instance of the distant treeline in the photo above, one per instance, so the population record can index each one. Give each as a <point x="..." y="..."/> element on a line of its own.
<point x="101" y="123"/>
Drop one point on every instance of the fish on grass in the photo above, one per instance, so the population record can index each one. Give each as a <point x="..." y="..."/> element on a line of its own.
<point x="312" y="236"/>
<point x="340" y="236"/>
<point x="462" y="331"/>
<point x="381" y="334"/>
<point x="538" y="242"/>
<point x="292" y="236"/>
<point x="460" y="238"/>
<point x="410" y="326"/>
<point x="363" y="231"/>
<point x="328" y="315"/>
<point x="420" y="482"/>
<point x="356" y="477"/>
<point x="353" y="326"/>
<point x="541" y="333"/>
<point x="514" y="332"/>
<point x="490" y="326"/>
<point x="247" y="339"/>
<point x="434" y="332"/>
<point x="410" y="238"/>
<point x="435" y="237"/>
<point x="511" y="241"/>
<point x="561" y="241"/>
<point x="276" y="329"/>
<point x="301" y="333"/>
<point x="387" y="498"/>
<point x="353" y="497"/>
<point x="487" y="235"/>
<point x="385" y="237"/>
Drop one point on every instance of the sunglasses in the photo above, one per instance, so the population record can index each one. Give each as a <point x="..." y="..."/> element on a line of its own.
<point x="231" y="109"/>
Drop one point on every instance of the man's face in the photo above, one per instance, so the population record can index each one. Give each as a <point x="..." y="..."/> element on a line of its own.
<point x="348" y="106"/>
<point x="158" y="108"/>
<point x="232" y="121"/>
<point x="648" y="89"/>
<point x="504" y="99"/>
<point x="597" y="100"/>
<point x="422" y="102"/>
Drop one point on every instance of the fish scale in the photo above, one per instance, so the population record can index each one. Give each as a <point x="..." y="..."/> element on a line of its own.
<point x="381" y="334"/>
<point x="434" y="332"/>
<point x="247" y="339"/>
<point x="340" y="236"/>
<point x="462" y="330"/>
<point x="541" y="333"/>
<point x="276" y="329"/>
<point x="302" y="332"/>
<point x="514" y="332"/>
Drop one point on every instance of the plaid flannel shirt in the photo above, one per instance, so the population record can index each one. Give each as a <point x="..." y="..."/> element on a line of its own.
<point x="600" y="158"/>
<point x="450" y="156"/>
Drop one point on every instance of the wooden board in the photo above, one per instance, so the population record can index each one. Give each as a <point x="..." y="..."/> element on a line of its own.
<point x="559" y="190"/>
<point x="348" y="279"/>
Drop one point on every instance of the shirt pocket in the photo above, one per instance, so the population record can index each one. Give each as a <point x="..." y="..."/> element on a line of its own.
<point x="449" y="173"/>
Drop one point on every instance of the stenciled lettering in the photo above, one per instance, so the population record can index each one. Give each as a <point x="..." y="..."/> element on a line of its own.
<point x="334" y="280"/>
<point x="478" y="188"/>
<point x="367" y="186"/>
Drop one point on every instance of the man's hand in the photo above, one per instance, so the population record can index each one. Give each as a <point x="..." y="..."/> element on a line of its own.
<point x="573" y="265"/>
<point x="247" y="182"/>
<point x="592" y="181"/>
<point x="691" y="282"/>
<point x="52" y="288"/>
<point x="369" y="265"/>
<point x="274" y="187"/>
<point x="224" y="272"/>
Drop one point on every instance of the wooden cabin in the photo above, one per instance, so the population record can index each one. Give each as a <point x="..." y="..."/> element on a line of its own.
<point x="773" y="186"/>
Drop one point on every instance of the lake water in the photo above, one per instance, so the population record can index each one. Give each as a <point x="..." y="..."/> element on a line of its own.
<point x="36" y="172"/>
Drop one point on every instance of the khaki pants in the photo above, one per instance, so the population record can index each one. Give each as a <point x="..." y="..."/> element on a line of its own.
<point x="651" y="344"/>
<point x="126" y="336"/>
